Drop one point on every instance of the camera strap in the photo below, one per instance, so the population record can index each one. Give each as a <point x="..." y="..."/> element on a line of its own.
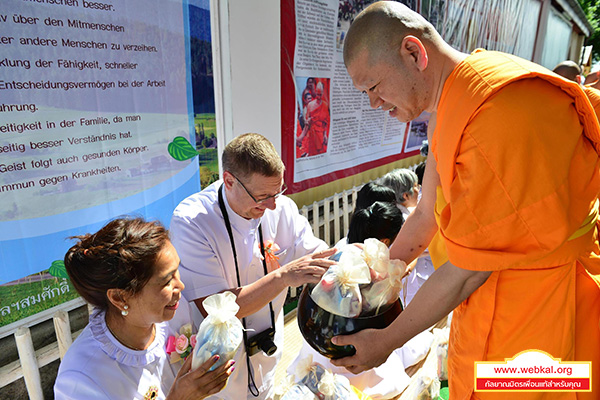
<point x="251" y="384"/>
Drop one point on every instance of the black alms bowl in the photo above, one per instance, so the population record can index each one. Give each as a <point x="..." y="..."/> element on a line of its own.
<point x="319" y="326"/>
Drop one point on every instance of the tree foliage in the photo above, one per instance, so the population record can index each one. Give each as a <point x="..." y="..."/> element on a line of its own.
<point x="591" y="8"/>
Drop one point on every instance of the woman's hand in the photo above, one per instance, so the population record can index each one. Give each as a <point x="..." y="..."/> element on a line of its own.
<point x="200" y="383"/>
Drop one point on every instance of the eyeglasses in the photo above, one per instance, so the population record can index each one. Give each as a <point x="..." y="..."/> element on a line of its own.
<point x="261" y="201"/>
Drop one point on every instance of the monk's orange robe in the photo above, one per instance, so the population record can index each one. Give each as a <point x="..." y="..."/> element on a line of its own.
<point x="594" y="97"/>
<point x="318" y="128"/>
<point x="517" y="154"/>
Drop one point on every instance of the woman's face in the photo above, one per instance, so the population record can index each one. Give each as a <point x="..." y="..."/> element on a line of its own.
<point x="159" y="299"/>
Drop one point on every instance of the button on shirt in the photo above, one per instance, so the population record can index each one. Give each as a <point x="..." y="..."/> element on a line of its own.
<point x="200" y="236"/>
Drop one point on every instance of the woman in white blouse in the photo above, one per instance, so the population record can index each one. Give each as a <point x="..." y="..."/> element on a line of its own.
<point x="129" y="271"/>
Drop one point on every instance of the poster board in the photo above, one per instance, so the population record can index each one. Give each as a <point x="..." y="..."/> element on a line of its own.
<point x="97" y="122"/>
<point x="340" y="135"/>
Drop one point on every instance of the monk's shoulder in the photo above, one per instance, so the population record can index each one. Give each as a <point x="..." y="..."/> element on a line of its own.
<point x="527" y="118"/>
<point x="532" y="93"/>
<point x="527" y="105"/>
<point x="593" y="95"/>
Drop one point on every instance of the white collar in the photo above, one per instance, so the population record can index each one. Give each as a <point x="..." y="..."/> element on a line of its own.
<point x="238" y="222"/>
<point x="123" y="355"/>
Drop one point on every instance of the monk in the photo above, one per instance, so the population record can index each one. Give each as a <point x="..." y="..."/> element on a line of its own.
<point x="316" y="128"/>
<point x="513" y="180"/>
<point x="570" y="70"/>
<point x="592" y="80"/>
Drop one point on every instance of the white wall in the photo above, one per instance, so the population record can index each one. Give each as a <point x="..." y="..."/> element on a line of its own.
<point x="246" y="50"/>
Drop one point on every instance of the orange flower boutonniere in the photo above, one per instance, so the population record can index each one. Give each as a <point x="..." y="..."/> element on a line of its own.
<point x="272" y="260"/>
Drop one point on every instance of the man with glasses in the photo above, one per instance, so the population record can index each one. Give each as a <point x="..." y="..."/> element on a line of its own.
<point x="218" y="234"/>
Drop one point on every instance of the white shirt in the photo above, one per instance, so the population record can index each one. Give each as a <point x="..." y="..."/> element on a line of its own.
<point x="200" y="237"/>
<point x="97" y="366"/>
<point x="422" y="270"/>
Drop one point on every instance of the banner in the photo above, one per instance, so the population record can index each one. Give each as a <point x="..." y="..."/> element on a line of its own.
<point x="96" y="121"/>
<point x="329" y="129"/>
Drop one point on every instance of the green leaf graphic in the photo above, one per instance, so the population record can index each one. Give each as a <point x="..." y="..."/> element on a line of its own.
<point x="181" y="149"/>
<point x="58" y="270"/>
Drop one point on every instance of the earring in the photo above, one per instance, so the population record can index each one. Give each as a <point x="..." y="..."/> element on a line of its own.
<point x="125" y="312"/>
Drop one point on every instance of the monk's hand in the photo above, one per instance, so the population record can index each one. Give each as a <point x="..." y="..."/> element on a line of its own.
<point x="307" y="269"/>
<point x="371" y="350"/>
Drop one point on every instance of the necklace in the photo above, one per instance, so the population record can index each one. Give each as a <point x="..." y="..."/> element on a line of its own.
<point x="125" y="344"/>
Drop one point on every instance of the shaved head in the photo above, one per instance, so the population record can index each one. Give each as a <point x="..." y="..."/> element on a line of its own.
<point x="380" y="28"/>
<point x="568" y="69"/>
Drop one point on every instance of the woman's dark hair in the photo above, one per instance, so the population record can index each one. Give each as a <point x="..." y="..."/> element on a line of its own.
<point x="121" y="255"/>
<point x="382" y="220"/>
<point x="372" y="192"/>
<point x="420" y="171"/>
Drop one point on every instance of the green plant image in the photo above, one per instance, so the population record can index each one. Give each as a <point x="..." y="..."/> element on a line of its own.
<point x="58" y="270"/>
<point x="181" y="149"/>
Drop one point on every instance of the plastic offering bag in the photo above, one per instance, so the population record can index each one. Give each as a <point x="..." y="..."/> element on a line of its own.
<point x="441" y="337"/>
<point x="423" y="387"/>
<point x="338" y="291"/>
<point x="287" y="389"/>
<point x="377" y="255"/>
<point x="310" y="373"/>
<point x="386" y="277"/>
<point x="323" y="383"/>
<point x="220" y="333"/>
<point x="298" y="391"/>
<point x="335" y="387"/>
<point x="425" y="384"/>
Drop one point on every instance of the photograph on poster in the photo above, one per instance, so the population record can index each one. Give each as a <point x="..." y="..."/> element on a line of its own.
<point x="417" y="132"/>
<point x="313" y="116"/>
<point x="349" y="9"/>
<point x="202" y="90"/>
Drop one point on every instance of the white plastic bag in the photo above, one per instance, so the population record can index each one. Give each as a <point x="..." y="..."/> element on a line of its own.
<point x="425" y="384"/>
<point x="310" y="373"/>
<point x="298" y="391"/>
<point x="323" y="383"/>
<point x="386" y="277"/>
<point x="287" y="389"/>
<point x="220" y="333"/>
<point x="335" y="387"/>
<point x="441" y="337"/>
<point x="423" y="387"/>
<point x="338" y="291"/>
